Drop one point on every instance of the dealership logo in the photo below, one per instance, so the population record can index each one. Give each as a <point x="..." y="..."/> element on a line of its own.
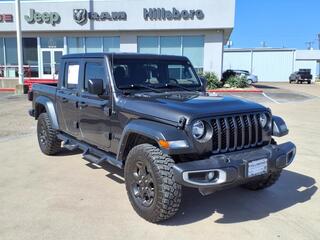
<point x="52" y="18"/>
<point x="81" y="16"/>
<point x="6" y="18"/>
<point x="163" y="14"/>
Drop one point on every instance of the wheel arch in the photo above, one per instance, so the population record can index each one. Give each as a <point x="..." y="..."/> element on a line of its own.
<point x="143" y="131"/>
<point x="44" y="104"/>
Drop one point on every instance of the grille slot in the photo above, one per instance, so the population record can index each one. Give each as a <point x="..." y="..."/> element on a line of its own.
<point x="236" y="133"/>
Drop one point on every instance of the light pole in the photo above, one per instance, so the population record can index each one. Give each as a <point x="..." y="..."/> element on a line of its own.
<point x="19" y="42"/>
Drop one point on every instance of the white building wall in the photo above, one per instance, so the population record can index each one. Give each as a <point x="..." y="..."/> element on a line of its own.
<point x="272" y="66"/>
<point x="238" y="60"/>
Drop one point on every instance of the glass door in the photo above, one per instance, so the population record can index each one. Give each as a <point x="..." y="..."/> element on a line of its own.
<point x="50" y="63"/>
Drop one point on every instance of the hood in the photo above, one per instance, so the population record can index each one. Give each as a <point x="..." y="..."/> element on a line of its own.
<point x="174" y="105"/>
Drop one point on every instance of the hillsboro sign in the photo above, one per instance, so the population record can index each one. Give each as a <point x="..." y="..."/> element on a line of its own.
<point x="174" y="14"/>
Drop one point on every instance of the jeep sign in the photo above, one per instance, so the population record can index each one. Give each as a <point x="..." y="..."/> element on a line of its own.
<point x="47" y="17"/>
<point x="163" y="14"/>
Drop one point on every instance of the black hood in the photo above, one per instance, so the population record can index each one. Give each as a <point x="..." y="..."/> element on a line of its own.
<point x="174" y="105"/>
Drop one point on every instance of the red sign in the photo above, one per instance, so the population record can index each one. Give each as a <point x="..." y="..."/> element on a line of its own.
<point x="6" y="18"/>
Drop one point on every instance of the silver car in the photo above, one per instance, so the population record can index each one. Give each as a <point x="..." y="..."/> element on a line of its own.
<point x="250" y="77"/>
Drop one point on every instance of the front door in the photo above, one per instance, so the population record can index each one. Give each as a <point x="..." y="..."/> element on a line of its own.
<point x="50" y="62"/>
<point x="95" y="111"/>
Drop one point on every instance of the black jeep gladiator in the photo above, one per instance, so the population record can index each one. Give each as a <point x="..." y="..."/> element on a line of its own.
<point x="150" y="115"/>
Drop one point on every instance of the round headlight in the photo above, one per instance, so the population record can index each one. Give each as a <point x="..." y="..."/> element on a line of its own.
<point x="263" y="119"/>
<point x="198" y="130"/>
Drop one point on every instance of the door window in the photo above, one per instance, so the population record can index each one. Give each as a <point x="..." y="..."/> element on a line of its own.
<point x="94" y="70"/>
<point x="72" y="75"/>
<point x="46" y="62"/>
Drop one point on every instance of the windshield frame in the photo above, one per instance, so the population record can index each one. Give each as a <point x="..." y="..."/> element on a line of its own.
<point x="193" y="88"/>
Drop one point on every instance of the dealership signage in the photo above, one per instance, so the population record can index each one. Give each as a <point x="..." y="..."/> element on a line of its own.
<point x="6" y="18"/>
<point x="174" y="14"/>
<point x="52" y="18"/>
<point x="81" y="16"/>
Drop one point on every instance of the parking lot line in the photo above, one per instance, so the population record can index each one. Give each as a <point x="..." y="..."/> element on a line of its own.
<point x="270" y="98"/>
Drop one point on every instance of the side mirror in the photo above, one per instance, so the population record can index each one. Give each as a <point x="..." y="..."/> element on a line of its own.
<point x="204" y="82"/>
<point x="95" y="86"/>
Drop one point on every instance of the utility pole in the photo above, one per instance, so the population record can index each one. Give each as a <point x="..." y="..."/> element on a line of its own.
<point x="319" y="40"/>
<point x="19" y="42"/>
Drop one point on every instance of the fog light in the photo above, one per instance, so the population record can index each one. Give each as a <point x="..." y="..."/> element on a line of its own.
<point x="211" y="176"/>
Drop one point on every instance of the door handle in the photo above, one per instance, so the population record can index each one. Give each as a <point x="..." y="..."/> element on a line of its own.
<point x="82" y="105"/>
<point x="64" y="100"/>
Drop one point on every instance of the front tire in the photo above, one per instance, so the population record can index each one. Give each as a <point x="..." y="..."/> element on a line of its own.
<point x="151" y="187"/>
<point x="47" y="136"/>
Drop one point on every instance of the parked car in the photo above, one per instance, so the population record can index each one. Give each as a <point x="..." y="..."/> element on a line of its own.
<point x="230" y="73"/>
<point x="303" y="75"/>
<point x="150" y="116"/>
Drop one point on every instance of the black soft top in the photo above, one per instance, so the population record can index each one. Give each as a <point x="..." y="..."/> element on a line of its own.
<point x="125" y="56"/>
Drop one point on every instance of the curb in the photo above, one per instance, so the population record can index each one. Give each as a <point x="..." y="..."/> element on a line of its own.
<point x="7" y="89"/>
<point x="253" y="90"/>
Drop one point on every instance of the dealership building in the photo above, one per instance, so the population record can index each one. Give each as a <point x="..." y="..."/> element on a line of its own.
<point x="196" y="29"/>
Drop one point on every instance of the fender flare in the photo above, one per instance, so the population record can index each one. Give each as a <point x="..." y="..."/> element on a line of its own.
<point x="153" y="130"/>
<point x="50" y="109"/>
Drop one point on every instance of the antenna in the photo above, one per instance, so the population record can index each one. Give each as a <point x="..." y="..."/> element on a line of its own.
<point x="263" y="44"/>
<point x="229" y="44"/>
<point x="309" y="45"/>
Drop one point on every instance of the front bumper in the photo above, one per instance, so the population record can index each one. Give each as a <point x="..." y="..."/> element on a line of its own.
<point x="232" y="168"/>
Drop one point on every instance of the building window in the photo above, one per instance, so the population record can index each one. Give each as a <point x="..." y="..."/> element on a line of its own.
<point x="170" y="45"/>
<point x="189" y="46"/>
<point x="75" y="45"/>
<point x="52" y="42"/>
<point x="30" y="57"/>
<point x="93" y="44"/>
<point x="148" y="45"/>
<point x="11" y="51"/>
<point x="193" y="48"/>
<point x="1" y="51"/>
<point x="111" y="44"/>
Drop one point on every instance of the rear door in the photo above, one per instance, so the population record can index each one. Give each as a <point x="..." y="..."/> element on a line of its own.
<point x="67" y="98"/>
<point x="95" y="111"/>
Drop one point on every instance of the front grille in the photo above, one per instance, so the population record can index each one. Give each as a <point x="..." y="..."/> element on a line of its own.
<point x="236" y="133"/>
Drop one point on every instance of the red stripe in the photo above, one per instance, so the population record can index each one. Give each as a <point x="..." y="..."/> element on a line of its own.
<point x="7" y="89"/>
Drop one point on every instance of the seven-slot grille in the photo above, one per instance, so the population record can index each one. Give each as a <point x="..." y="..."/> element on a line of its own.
<point x="233" y="133"/>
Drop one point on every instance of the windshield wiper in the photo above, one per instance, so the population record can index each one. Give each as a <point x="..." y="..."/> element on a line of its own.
<point x="170" y="85"/>
<point x="139" y="86"/>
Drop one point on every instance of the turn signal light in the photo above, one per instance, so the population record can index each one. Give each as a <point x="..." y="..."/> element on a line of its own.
<point x="164" y="144"/>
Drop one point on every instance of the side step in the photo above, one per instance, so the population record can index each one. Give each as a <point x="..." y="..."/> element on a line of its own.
<point x="90" y="153"/>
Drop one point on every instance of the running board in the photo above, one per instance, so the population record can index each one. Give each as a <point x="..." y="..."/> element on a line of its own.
<point x="90" y="153"/>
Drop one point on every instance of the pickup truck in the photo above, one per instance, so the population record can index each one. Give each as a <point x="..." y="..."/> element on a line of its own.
<point x="150" y="116"/>
<point x="303" y="75"/>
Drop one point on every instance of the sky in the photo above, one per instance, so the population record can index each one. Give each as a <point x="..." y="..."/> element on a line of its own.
<point x="279" y="23"/>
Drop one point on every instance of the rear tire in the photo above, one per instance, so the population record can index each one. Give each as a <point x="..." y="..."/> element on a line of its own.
<point x="151" y="187"/>
<point x="47" y="136"/>
<point x="264" y="183"/>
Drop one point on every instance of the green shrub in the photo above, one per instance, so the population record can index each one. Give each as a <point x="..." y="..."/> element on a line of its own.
<point x="237" y="82"/>
<point x="213" y="80"/>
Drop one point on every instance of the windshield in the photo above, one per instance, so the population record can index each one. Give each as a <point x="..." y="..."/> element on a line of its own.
<point x="135" y="73"/>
